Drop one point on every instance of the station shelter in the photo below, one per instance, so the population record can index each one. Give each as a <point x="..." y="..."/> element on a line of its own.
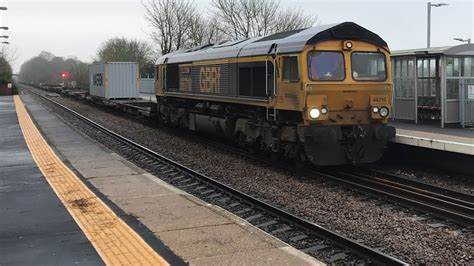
<point x="434" y="85"/>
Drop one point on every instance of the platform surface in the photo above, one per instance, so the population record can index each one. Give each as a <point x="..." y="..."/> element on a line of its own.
<point x="456" y="140"/>
<point x="199" y="233"/>
<point x="35" y="228"/>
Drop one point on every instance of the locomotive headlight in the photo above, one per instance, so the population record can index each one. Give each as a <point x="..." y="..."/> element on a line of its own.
<point x="375" y="110"/>
<point x="314" y="113"/>
<point x="383" y="112"/>
<point x="349" y="45"/>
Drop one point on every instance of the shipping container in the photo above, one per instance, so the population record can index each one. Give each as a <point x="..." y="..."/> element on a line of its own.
<point x="114" y="80"/>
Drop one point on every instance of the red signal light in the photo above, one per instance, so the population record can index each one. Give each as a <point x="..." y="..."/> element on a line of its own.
<point x="64" y="75"/>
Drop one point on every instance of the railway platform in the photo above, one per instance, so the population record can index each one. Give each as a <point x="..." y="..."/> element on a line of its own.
<point x="65" y="199"/>
<point x="456" y="140"/>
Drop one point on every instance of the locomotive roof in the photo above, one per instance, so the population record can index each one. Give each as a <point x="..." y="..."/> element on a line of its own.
<point x="284" y="42"/>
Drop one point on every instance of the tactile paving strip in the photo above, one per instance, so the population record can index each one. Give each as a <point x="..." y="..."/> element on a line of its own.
<point x="114" y="240"/>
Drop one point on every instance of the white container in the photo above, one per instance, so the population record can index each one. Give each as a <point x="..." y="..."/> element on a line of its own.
<point x="114" y="80"/>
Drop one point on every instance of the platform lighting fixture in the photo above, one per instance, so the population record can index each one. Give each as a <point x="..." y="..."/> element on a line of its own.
<point x="468" y="40"/>
<point x="429" y="20"/>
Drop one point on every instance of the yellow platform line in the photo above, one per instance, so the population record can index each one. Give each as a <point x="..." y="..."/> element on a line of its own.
<point x="114" y="240"/>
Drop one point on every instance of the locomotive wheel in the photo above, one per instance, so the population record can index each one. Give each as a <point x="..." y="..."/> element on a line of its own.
<point x="275" y="157"/>
<point x="241" y="140"/>
<point x="300" y="160"/>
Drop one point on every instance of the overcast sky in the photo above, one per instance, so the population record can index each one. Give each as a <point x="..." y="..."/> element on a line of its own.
<point x="77" y="27"/>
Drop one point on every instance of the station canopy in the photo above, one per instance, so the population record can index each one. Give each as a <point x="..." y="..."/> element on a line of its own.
<point x="459" y="50"/>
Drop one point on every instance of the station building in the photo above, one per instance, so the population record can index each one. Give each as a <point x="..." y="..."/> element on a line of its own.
<point x="434" y="85"/>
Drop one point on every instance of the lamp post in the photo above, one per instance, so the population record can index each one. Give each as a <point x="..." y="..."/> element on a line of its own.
<point x="468" y="40"/>
<point x="429" y="20"/>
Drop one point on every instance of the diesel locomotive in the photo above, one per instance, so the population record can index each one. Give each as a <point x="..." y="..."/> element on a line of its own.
<point x="320" y="95"/>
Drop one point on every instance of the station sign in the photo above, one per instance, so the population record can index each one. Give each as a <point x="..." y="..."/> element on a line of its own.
<point x="470" y="92"/>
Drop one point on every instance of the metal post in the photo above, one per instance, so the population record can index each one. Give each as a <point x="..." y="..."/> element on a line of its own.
<point x="429" y="25"/>
<point x="443" y="84"/>
<point x="462" y="102"/>
<point x="415" y="94"/>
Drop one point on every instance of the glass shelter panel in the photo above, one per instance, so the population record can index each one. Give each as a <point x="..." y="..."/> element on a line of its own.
<point x="429" y="88"/>
<point x="467" y="68"/>
<point x="404" y="87"/>
<point x="460" y="90"/>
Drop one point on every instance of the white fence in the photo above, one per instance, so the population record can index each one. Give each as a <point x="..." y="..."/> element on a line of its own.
<point x="147" y="86"/>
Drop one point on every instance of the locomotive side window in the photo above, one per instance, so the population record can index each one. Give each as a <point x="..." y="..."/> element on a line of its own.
<point x="368" y="66"/>
<point x="172" y="76"/>
<point x="252" y="81"/>
<point x="290" y="68"/>
<point x="326" y="66"/>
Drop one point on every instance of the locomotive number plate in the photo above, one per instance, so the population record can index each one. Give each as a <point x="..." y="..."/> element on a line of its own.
<point x="378" y="99"/>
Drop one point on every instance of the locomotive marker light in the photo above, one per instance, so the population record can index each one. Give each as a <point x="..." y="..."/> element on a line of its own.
<point x="348" y="45"/>
<point x="375" y="109"/>
<point x="314" y="113"/>
<point x="383" y="111"/>
<point x="324" y="111"/>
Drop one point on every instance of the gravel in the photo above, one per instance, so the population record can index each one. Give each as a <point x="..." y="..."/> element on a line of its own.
<point x="395" y="231"/>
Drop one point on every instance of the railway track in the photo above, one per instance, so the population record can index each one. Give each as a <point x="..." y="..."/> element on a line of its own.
<point x="304" y="235"/>
<point x="447" y="204"/>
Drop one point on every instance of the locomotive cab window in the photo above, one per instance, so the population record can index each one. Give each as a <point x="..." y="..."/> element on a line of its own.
<point x="368" y="66"/>
<point x="326" y="66"/>
<point x="290" y="68"/>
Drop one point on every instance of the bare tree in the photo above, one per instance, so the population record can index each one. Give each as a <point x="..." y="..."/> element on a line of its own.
<point x="292" y="19"/>
<point x="250" y="18"/>
<point x="10" y="54"/>
<point x="171" y="21"/>
<point x="177" y="24"/>
<point x="203" y="31"/>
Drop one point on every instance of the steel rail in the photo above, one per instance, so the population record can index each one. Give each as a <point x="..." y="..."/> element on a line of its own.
<point x="421" y="185"/>
<point x="363" y="251"/>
